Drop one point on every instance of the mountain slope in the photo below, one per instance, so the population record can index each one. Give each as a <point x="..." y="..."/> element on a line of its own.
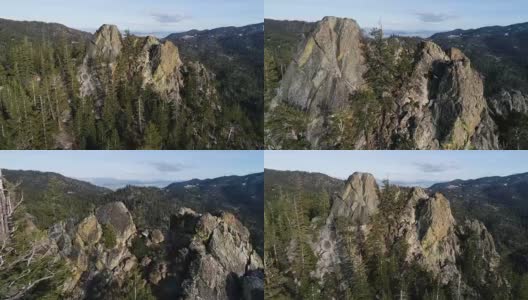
<point x="499" y="52"/>
<point x="367" y="241"/>
<point x="502" y="204"/>
<point x="234" y="54"/>
<point x="51" y="197"/>
<point x="10" y="29"/>
<point x="116" y="91"/>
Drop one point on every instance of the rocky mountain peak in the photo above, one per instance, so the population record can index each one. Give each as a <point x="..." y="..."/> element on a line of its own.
<point x="443" y="105"/>
<point x="327" y="69"/>
<point x="358" y="201"/>
<point x="107" y="42"/>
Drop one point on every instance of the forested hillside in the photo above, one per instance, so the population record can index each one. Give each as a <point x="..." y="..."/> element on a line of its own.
<point x="234" y="54"/>
<point x="64" y="89"/>
<point x="354" y="239"/>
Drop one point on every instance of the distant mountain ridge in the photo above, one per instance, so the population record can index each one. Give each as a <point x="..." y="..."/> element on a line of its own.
<point x="39" y="30"/>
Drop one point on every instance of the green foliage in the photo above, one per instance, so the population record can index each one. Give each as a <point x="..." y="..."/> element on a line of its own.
<point x="271" y="77"/>
<point x="290" y="216"/>
<point x="134" y="288"/>
<point x="109" y="236"/>
<point x="56" y="199"/>
<point x="374" y="266"/>
<point x="27" y="276"/>
<point x="513" y="131"/>
<point x="286" y="127"/>
<point x="153" y="138"/>
<point x="41" y="106"/>
<point x="139" y="248"/>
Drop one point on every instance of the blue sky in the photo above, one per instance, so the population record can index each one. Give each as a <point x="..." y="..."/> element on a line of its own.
<point x="148" y="16"/>
<point x="404" y="167"/>
<point x="137" y="165"/>
<point x="405" y="15"/>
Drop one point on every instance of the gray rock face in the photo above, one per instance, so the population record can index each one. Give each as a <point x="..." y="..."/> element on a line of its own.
<point x="507" y="102"/>
<point x="429" y="229"/>
<point x="107" y="43"/>
<point x="221" y="254"/>
<point x="435" y="240"/>
<point x="358" y="201"/>
<point x="443" y="104"/>
<point x="105" y="49"/>
<point x="327" y="69"/>
<point x="117" y="216"/>
<point x="331" y="54"/>
<point x="83" y="247"/>
<point x="158" y="63"/>
<point x="160" y="66"/>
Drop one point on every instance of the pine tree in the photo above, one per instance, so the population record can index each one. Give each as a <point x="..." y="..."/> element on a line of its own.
<point x="153" y="139"/>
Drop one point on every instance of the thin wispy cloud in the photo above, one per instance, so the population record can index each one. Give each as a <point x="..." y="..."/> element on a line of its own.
<point x="165" y="18"/>
<point x="435" y="168"/>
<point x="166" y="167"/>
<point x="434" y="17"/>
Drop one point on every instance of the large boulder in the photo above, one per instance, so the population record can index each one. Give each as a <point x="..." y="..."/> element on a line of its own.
<point x="117" y="216"/>
<point x="89" y="230"/>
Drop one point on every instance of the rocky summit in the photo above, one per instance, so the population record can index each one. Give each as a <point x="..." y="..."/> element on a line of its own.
<point x="206" y="256"/>
<point x="327" y="69"/>
<point x="159" y="65"/>
<point x="357" y="235"/>
<point x="114" y="90"/>
<point x="344" y="88"/>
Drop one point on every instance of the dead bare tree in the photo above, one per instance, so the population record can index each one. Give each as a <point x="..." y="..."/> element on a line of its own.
<point x="11" y="258"/>
<point x="7" y="210"/>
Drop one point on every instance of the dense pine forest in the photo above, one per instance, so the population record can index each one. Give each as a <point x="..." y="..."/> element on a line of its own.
<point x="42" y="106"/>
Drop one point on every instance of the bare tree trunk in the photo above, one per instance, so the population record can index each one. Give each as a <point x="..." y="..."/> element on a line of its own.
<point x="298" y="221"/>
<point x="43" y="123"/>
<point x="139" y="116"/>
<point x="5" y="211"/>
